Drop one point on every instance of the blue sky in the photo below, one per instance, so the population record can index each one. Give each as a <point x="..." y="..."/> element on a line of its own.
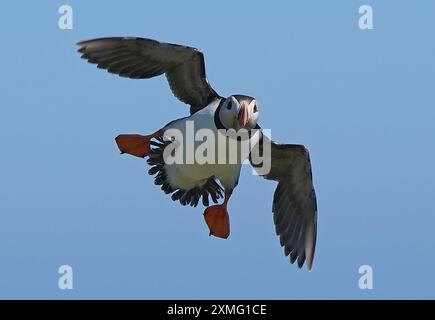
<point x="361" y="101"/>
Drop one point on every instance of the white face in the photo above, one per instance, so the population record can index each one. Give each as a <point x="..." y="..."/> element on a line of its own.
<point x="237" y="115"/>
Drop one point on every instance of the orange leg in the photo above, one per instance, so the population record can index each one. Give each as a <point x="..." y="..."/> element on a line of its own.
<point x="217" y="219"/>
<point x="135" y="144"/>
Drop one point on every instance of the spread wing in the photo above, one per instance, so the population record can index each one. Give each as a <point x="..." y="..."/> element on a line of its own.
<point x="294" y="202"/>
<point x="139" y="58"/>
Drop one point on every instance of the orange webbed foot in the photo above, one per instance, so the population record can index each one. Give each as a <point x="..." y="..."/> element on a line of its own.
<point x="218" y="220"/>
<point x="135" y="144"/>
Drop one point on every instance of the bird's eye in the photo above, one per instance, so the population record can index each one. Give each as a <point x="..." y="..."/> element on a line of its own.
<point x="229" y="105"/>
<point x="255" y="108"/>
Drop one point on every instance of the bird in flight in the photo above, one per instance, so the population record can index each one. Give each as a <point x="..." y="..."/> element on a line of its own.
<point x="294" y="202"/>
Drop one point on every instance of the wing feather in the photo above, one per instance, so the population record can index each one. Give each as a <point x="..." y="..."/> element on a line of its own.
<point x="294" y="201"/>
<point x="139" y="58"/>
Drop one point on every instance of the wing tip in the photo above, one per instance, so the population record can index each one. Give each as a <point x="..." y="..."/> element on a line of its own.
<point x="81" y="43"/>
<point x="300" y="264"/>
<point x="306" y="257"/>
<point x="310" y="265"/>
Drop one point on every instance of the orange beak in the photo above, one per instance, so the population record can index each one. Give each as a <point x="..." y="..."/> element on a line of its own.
<point x="243" y="117"/>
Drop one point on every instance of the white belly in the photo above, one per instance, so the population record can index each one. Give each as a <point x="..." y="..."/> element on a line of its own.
<point x="199" y="162"/>
<point x="185" y="176"/>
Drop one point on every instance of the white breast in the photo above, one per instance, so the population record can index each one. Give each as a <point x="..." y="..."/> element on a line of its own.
<point x="196" y="169"/>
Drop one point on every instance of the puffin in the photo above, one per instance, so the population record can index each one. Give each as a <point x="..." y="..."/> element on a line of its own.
<point x="189" y="179"/>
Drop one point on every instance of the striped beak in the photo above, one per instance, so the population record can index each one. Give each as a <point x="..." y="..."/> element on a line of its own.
<point x="243" y="117"/>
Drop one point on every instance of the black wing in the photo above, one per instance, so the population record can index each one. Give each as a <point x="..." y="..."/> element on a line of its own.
<point x="294" y="202"/>
<point x="139" y="58"/>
